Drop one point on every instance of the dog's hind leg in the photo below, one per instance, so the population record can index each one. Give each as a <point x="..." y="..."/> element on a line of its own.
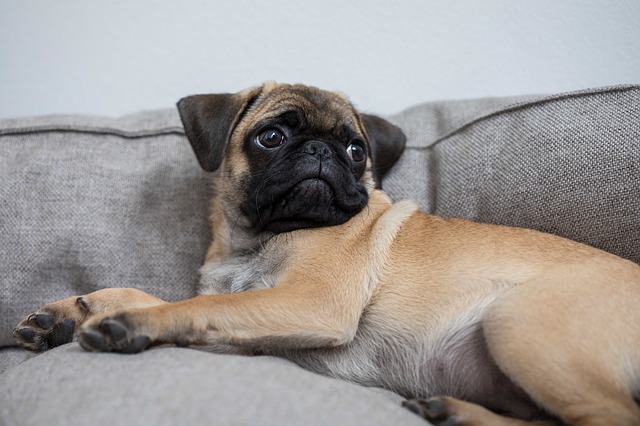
<point x="55" y="323"/>
<point x="569" y="338"/>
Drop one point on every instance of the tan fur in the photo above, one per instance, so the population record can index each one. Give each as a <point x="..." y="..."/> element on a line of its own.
<point x="513" y="319"/>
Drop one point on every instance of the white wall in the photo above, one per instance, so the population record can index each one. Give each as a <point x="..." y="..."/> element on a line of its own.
<point x="118" y="56"/>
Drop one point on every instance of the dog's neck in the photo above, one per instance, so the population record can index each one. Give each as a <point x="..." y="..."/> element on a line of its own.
<point x="228" y="238"/>
<point x="231" y="240"/>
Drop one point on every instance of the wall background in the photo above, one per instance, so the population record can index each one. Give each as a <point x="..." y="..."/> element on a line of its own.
<point x="120" y="56"/>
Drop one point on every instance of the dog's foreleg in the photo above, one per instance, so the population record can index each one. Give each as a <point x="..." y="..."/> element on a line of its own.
<point x="302" y="315"/>
<point x="54" y="323"/>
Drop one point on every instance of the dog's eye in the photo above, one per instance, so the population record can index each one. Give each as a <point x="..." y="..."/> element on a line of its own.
<point x="271" y="138"/>
<point x="356" y="152"/>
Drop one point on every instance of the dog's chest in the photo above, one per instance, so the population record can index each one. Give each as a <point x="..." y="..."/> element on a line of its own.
<point x="251" y="271"/>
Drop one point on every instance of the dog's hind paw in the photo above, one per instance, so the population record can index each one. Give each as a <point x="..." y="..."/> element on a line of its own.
<point x="434" y="410"/>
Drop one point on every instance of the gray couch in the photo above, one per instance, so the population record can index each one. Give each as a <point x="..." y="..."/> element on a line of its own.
<point x="92" y="202"/>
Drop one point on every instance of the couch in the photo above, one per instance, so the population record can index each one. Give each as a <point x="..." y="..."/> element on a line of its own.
<point x="93" y="202"/>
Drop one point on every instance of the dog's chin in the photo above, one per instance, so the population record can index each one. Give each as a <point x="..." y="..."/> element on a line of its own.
<point x="311" y="203"/>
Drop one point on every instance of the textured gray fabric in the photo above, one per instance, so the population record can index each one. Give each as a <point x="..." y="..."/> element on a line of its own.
<point x="172" y="386"/>
<point x="10" y="356"/>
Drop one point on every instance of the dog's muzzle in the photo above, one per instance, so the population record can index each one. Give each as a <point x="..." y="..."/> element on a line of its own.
<point x="310" y="187"/>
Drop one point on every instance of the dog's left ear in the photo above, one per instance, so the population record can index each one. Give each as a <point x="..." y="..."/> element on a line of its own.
<point x="387" y="144"/>
<point x="209" y="120"/>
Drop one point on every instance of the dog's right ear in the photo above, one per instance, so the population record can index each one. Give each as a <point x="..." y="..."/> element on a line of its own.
<point x="209" y="120"/>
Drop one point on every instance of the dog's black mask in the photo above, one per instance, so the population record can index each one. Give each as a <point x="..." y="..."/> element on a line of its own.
<point x="309" y="179"/>
<point x="311" y="158"/>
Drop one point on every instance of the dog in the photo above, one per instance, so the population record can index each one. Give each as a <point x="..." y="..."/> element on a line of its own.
<point x="475" y="324"/>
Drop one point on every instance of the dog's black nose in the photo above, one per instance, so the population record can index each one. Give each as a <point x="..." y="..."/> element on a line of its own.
<point x="318" y="149"/>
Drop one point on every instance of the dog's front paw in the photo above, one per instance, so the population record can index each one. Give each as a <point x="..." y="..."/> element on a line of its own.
<point x="40" y="331"/>
<point x="434" y="410"/>
<point x="115" y="333"/>
<point x="50" y="326"/>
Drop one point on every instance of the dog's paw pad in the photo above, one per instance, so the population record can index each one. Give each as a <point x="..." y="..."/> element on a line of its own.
<point x="95" y="342"/>
<point x="26" y="334"/>
<point x="116" y="331"/>
<point x="112" y="334"/>
<point x="62" y="332"/>
<point x="44" y="321"/>
<point x="43" y="330"/>
<point x="434" y="410"/>
<point x="137" y="344"/>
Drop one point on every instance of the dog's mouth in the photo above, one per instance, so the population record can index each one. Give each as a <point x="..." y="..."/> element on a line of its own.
<point x="310" y="189"/>
<point x="310" y="203"/>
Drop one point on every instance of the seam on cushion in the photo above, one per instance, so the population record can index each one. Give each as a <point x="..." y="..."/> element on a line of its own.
<point x="527" y="104"/>
<point x="127" y="134"/>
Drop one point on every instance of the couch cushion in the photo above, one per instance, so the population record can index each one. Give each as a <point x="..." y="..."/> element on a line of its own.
<point x="13" y="355"/>
<point x="170" y="386"/>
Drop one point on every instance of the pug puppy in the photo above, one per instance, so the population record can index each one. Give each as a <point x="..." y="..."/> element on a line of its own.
<point x="479" y="324"/>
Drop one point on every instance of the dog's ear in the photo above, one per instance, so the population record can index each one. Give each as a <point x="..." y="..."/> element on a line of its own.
<point x="209" y="120"/>
<point x="387" y="144"/>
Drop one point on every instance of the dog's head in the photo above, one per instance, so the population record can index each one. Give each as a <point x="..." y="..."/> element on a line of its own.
<point x="289" y="156"/>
